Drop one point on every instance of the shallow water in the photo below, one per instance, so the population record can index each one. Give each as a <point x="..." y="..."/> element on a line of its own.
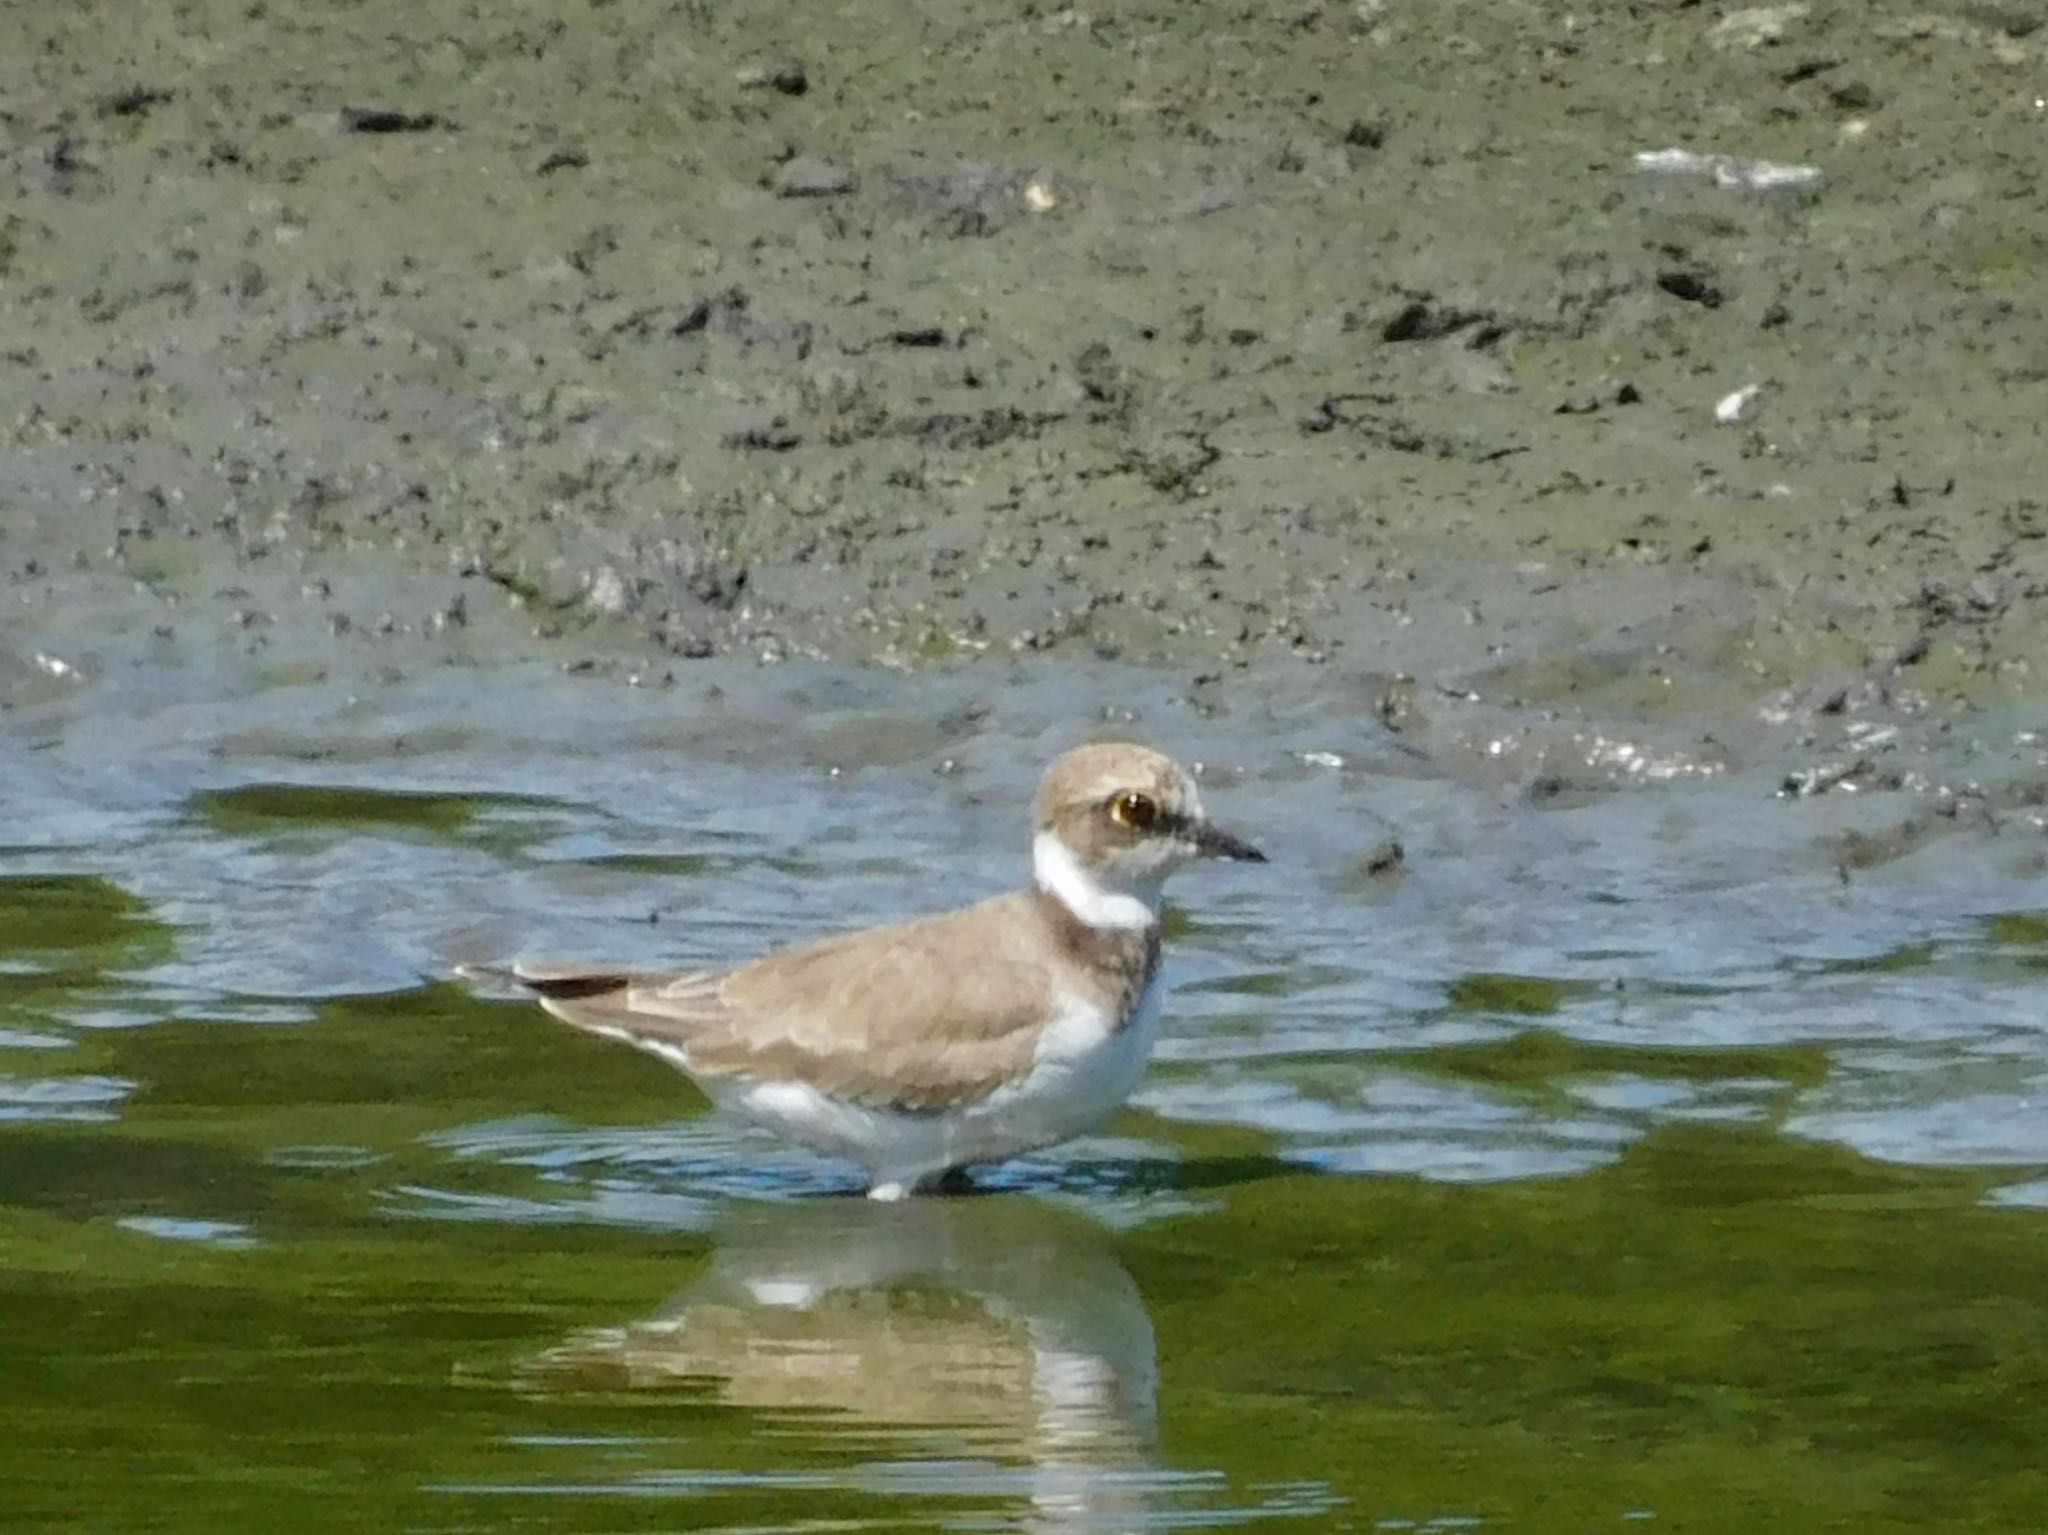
<point x="1653" y="1152"/>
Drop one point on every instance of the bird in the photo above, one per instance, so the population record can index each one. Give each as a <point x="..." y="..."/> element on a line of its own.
<point x="923" y="1047"/>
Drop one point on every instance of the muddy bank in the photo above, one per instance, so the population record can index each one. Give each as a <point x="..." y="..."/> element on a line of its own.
<point x="1340" y="336"/>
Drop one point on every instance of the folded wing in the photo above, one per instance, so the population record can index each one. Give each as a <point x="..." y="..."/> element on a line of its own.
<point x="922" y="1016"/>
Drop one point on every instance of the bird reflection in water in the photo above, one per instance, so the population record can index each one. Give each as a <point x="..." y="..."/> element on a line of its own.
<point x="989" y="1347"/>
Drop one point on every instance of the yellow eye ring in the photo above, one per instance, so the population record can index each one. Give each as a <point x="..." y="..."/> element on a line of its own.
<point x="1140" y="812"/>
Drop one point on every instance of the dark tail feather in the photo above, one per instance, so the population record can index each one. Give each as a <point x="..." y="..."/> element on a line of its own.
<point x="567" y="988"/>
<point x="563" y="985"/>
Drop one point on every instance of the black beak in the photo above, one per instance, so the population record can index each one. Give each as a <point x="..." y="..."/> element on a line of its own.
<point x="1215" y="842"/>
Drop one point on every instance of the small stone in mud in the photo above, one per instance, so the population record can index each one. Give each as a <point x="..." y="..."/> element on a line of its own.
<point x="811" y="176"/>
<point x="1807" y="69"/>
<point x="1809" y="782"/>
<point x="564" y="159"/>
<point x="608" y="593"/>
<point x="1734" y="405"/>
<point x="361" y="119"/>
<point x="687" y="643"/>
<point x="1420" y="320"/>
<point x="776" y="437"/>
<point x="1384" y="859"/>
<point x="1692" y="285"/>
<point x="788" y="77"/>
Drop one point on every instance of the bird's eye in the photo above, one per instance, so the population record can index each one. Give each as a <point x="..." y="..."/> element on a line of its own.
<point x="1140" y="812"/>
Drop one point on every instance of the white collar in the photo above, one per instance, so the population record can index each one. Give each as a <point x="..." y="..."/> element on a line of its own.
<point x="1094" y="904"/>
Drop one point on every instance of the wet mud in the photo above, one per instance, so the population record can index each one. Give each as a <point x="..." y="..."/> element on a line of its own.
<point x="1269" y="337"/>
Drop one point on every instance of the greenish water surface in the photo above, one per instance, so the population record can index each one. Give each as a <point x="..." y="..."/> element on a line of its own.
<point x="1603" y="1208"/>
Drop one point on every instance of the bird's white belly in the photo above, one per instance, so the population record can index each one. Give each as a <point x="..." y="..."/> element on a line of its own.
<point x="1083" y="1070"/>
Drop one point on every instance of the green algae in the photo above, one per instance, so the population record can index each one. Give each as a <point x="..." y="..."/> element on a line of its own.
<point x="75" y="921"/>
<point x="1727" y="1329"/>
<point x="1525" y="995"/>
<point x="1534" y="1057"/>
<point x="65" y="940"/>
<point x="435" y="1049"/>
<point x="258" y="809"/>
<point x="680" y="865"/>
<point x="2020" y="929"/>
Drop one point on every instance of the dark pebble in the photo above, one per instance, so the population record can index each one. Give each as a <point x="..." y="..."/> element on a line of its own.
<point x="388" y="120"/>
<point x="562" y="160"/>
<point x="1694" y="287"/>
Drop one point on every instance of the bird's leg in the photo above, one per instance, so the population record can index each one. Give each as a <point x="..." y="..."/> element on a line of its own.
<point x="955" y="1180"/>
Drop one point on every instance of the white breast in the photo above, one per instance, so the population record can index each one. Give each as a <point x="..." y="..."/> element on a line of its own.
<point x="1086" y="1066"/>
